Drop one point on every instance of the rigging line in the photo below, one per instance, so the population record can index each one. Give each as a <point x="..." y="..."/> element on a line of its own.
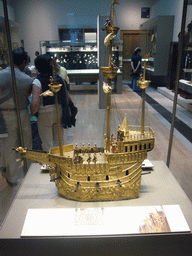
<point x="120" y="114"/>
<point x="139" y="112"/>
<point x="116" y="108"/>
<point x="113" y="117"/>
<point x="104" y="123"/>
<point x="134" y="105"/>
<point x="147" y="110"/>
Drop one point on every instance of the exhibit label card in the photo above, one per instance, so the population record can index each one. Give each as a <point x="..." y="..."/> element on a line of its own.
<point x="104" y="221"/>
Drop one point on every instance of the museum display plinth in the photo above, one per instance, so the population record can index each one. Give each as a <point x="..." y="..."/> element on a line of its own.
<point x="185" y="88"/>
<point x="158" y="187"/>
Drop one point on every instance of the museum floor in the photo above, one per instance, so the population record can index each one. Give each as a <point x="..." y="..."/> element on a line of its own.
<point x="91" y="125"/>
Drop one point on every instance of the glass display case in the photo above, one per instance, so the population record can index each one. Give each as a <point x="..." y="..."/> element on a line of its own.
<point x="80" y="56"/>
<point x="159" y="185"/>
<point x="186" y="68"/>
<point x="185" y="82"/>
<point x="155" y="38"/>
<point x="71" y="57"/>
<point x="75" y="56"/>
<point x="147" y="39"/>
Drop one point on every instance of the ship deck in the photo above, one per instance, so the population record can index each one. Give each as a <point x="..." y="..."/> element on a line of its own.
<point x="100" y="156"/>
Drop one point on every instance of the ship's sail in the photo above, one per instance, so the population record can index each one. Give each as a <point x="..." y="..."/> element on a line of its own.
<point x="107" y="88"/>
<point x="108" y="38"/>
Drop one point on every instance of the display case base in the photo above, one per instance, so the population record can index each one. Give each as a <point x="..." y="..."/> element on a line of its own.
<point x="158" y="187"/>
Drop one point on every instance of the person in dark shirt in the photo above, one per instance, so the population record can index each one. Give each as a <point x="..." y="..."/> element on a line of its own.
<point x="136" y="68"/>
<point x="44" y="107"/>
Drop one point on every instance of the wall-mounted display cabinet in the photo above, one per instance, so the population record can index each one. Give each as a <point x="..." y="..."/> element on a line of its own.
<point x="155" y="38"/>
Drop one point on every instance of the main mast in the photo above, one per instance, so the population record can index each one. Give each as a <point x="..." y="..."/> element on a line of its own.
<point x="109" y="72"/>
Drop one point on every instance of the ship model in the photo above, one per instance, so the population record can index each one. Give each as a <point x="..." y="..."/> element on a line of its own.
<point x="90" y="173"/>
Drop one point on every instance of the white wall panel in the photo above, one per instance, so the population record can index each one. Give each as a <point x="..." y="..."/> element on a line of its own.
<point x="39" y="20"/>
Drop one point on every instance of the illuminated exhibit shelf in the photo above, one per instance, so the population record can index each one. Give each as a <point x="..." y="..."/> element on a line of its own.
<point x="185" y="85"/>
<point x="104" y="221"/>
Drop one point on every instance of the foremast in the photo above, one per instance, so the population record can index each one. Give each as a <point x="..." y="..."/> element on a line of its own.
<point x="54" y="89"/>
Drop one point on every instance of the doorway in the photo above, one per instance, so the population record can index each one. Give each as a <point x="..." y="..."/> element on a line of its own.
<point x="130" y="42"/>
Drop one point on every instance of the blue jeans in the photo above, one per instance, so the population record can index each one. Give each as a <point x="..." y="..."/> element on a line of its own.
<point x="134" y="83"/>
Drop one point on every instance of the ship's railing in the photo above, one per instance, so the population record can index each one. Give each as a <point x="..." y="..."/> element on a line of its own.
<point x="124" y="158"/>
<point x="138" y="128"/>
<point x="66" y="148"/>
<point x="108" y="178"/>
<point x="148" y="133"/>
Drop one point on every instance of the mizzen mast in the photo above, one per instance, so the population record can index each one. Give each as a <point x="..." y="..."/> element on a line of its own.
<point x="143" y="84"/>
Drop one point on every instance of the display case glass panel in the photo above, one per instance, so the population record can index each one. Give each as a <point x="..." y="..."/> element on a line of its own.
<point x="185" y="82"/>
<point x="83" y="55"/>
<point x="155" y="38"/>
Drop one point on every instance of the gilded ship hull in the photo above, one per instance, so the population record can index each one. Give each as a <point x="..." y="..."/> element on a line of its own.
<point x="107" y="182"/>
<point x="95" y="175"/>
